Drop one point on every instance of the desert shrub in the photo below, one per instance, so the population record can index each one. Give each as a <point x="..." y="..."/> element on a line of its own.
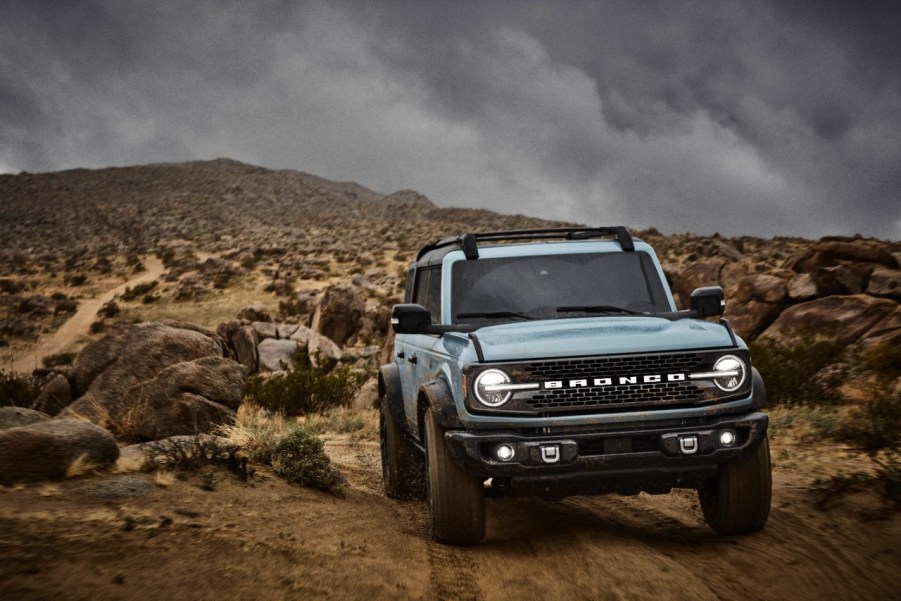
<point x="78" y="279"/>
<point x="110" y="309"/>
<point x="304" y="389"/>
<point x="98" y="326"/>
<point x="294" y="452"/>
<point x="58" y="359"/>
<point x="299" y="457"/>
<point x="882" y="361"/>
<point x="10" y="286"/>
<point x="803" y="372"/>
<point x="191" y="453"/>
<point x="140" y="290"/>
<point x="875" y="428"/>
<point x="18" y="391"/>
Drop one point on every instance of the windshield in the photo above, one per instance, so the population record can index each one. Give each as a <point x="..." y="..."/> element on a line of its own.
<point x="555" y="286"/>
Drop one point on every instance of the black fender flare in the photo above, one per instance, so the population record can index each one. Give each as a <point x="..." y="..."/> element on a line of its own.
<point x="758" y="390"/>
<point x="437" y="396"/>
<point x="390" y="392"/>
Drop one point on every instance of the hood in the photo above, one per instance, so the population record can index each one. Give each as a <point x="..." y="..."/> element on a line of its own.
<point x="597" y="336"/>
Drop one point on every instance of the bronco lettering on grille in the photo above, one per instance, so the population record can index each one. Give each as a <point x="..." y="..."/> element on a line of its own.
<point x="613" y="381"/>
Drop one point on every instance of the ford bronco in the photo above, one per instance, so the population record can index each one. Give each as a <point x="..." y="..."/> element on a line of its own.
<point x="554" y="362"/>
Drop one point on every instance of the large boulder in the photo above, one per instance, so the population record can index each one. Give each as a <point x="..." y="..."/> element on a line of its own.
<point x="843" y="319"/>
<point x="245" y="341"/>
<point x="702" y="273"/>
<point x="137" y="352"/>
<point x="754" y="303"/>
<point x="54" y="449"/>
<point x="167" y="378"/>
<point x="13" y="417"/>
<point x="277" y="355"/>
<point x="338" y="313"/>
<point x="55" y="396"/>
<point x="885" y="282"/>
<point x="840" y="280"/>
<point x="324" y="353"/>
<point x="863" y="251"/>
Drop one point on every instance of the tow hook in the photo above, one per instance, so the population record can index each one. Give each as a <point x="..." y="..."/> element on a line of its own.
<point x="688" y="445"/>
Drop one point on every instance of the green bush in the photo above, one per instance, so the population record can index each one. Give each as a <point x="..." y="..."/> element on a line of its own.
<point x="304" y="389"/>
<point x="16" y="390"/>
<point x="805" y="372"/>
<point x="299" y="457"/>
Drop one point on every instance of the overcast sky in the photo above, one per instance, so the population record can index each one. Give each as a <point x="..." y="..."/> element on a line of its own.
<point x="744" y="117"/>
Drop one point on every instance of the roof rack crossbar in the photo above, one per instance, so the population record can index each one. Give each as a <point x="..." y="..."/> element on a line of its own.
<point x="469" y="241"/>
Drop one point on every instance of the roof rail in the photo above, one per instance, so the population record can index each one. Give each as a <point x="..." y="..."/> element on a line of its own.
<point x="469" y="242"/>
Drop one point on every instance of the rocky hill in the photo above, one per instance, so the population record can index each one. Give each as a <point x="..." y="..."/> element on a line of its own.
<point x="214" y="221"/>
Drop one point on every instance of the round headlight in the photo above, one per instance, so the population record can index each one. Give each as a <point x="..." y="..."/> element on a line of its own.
<point x="485" y="388"/>
<point x="734" y="373"/>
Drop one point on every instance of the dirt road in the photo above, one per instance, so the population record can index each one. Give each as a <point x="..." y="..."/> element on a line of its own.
<point x="123" y="537"/>
<point x="80" y="323"/>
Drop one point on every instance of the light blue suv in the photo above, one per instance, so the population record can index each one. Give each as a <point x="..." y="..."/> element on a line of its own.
<point x="554" y="362"/>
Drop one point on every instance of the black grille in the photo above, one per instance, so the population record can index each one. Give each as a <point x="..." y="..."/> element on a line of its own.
<point x="615" y="396"/>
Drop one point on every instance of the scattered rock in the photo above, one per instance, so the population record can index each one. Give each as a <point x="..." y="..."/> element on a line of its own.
<point x="801" y="287"/>
<point x="702" y="273"/>
<point x="255" y="312"/>
<point x="368" y="395"/>
<point x="885" y="282"/>
<point x="302" y="336"/>
<point x="265" y="329"/>
<point x="839" y="280"/>
<point x="324" y="353"/>
<point x="276" y="355"/>
<point x="858" y="250"/>
<point x="245" y="342"/>
<point x="286" y="330"/>
<point x="338" y="313"/>
<point x="52" y="449"/>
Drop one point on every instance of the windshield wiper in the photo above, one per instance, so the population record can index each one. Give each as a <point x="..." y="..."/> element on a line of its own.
<point x="597" y="309"/>
<point x="509" y="314"/>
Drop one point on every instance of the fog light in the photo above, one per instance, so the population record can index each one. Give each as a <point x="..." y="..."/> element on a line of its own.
<point x="727" y="438"/>
<point x="504" y="452"/>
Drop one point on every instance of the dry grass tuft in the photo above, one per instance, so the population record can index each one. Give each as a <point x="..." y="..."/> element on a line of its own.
<point x="164" y="479"/>
<point x="80" y="467"/>
<point x="49" y="490"/>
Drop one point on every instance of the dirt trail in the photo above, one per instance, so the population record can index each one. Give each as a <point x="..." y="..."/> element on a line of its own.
<point x="80" y="323"/>
<point x="123" y="537"/>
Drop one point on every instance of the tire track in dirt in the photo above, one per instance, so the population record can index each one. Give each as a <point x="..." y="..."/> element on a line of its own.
<point x="80" y="323"/>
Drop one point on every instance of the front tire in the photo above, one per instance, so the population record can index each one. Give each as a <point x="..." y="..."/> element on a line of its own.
<point x="456" y="500"/>
<point x="738" y="501"/>
<point x="403" y="470"/>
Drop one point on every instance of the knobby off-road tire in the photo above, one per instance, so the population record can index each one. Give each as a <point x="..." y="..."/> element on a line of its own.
<point x="403" y="467"/>
<point x="456" y="500"/>
<point x="738" y="501"/>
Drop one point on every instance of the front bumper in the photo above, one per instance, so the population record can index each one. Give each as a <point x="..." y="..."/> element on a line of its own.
<point x="647" y="458"/>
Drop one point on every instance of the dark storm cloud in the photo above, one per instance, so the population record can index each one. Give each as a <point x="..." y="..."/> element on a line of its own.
<point x="738" y="117"/>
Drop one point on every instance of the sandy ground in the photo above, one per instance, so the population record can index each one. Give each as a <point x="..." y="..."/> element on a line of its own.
<point x="125" y="537"/>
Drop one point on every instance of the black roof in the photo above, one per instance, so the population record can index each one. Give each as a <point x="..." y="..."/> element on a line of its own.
<point x="434" y="252"/>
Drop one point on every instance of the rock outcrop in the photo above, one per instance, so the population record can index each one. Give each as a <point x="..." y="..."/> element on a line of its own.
<point x="149" y="380"/>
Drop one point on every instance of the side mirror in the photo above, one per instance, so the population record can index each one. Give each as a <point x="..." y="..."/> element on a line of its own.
<point x="707" y="302"/>
<point x="410" y="318"/>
